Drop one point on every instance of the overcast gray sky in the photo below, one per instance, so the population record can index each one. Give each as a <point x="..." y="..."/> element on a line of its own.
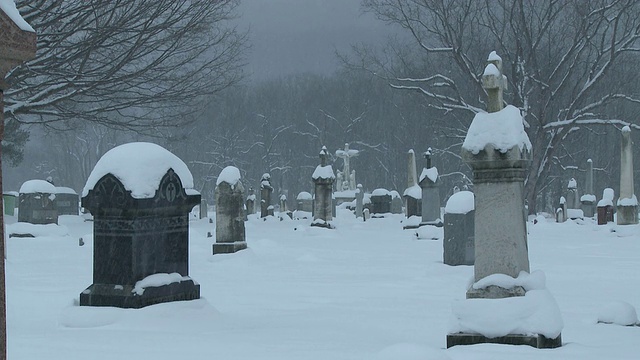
<point x="293" y="36"/>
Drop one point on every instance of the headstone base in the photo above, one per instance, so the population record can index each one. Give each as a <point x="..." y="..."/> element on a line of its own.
<point x="537" y="341"/>
<point x="495" y="292"/>
<point x="122" y="296"/>
<point x="229" y="248"/>
<point x="437" y="223"/>
<point x="627" y="215"/>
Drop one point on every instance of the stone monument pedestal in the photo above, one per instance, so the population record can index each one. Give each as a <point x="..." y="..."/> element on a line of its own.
<point x="627" y="214"/>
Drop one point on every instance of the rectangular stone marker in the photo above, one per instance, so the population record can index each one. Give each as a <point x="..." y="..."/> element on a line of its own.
<point x="323" y="178"/>
<point x="36" y="203"/>
<point x="458" y="242"/>
<point x="230" y="231"/>
<point x="380" y="202"/>
<point x="140" y="228"/>
<point x="67" y="201"/>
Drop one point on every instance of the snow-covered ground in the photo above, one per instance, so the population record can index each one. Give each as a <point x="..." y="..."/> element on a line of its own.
<point x="365" y="290"/>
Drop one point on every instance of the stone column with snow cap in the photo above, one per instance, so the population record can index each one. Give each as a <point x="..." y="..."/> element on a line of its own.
<point x="627" y="202"/>
<point x="266" y="189"/>
<point x="250" y="202"/>
<point x="140" y="206"/>
<point x="588" y="199"/>
<point x="230" y="233"/>
<point x="499" y="153"/>
<point x="359" y="200"/>
<point x="323" y="178"/>
<point x="413" y="193"/>
<point x="428" y="182"/>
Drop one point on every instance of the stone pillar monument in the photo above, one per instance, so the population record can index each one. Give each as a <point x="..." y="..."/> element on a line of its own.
<point x="250" y="203"/>
<point x="266" y="189"/>
<point x="230" y="232"/>
<point x="359" y="200"/>
<point x="588" y="200"/>
<point x="627" y="201"/>
<point x="413" y="193"/>
<point x="499" y="160"/>
<point x="323" y="178"/>
<point x="430" y="193"/>
<point x="17" y="45"/>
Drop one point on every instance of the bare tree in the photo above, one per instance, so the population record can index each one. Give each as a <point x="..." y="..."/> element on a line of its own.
<point x="569" y="63"/>
<point x="128" y="64"/>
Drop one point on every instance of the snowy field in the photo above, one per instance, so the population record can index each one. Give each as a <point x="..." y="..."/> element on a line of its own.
<point x="365" y="290"/>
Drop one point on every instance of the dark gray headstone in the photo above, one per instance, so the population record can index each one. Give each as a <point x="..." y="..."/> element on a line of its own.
<point x="36" y="203"/>
<point x="67" y="201"/>
<point x="230" y="232"/>
<point x="266" y="189"/>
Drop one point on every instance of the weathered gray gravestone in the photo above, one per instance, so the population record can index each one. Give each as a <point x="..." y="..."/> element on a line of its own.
<point x="561" y="212"/>
<point x="17" y="45"/>
<point x="141" y="212"/>
<point x="499" y="160"/>
<point x="266" y="189"/>
<point x="458" y="229"/>
<point x="572" y="210"/>
<point x="251" y="202"/>
<point x="380" y="202"/>
<point x="359" y="200"/>
<point x="230" y="232"/>
<point x="605" y="207"/>
<point x="430" y="193"/>
<point x="304" y="202"/>
<point x="323" y="178"/>
<point x="67" y="201"/>
<point x="588" y="200"/>
<point x="627" y="201"/>
<point x="396" y="202"/>
<point x="36" y="203"/>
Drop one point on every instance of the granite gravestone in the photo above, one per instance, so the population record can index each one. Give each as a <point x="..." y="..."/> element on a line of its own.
<point x="266" y="209"/>
<point x="430" y="193"/>
<point x="230" y="232"/>
<point x="304" y="202"/>
<point x="36" y="203"/>
<point x="627" y="205"/>
<point x="140" y="206"/>
<point x="67" y="201"/>
<point x="380" y="202"/>
<point x="250" y="203"/>
<point x="323" y="178"/>
<point x="396" y="202"/>
<point x="605" y="207"/>
<point x="413" y="193"/>
<point x="359" y="200"/>
<point x="499" y="152"/>
<point x="458" y="229"/>
<point x="588" y="200"/>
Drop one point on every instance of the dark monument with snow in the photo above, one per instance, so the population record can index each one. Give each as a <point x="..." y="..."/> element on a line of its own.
<point x="323" y="178"/>
<point x="230" y="233"/>
<point x="266" y="209"/>
<point x="67" y="201"/>
<point x="36" y="203"/>
<point x="430" y="193"/>
<point x="140" y="205"/>
<point x="499" y="151"/>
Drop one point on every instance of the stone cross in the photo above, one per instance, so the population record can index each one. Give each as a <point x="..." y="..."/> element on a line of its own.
<point x="494" y="82"/>
<point x="17" y="45"/>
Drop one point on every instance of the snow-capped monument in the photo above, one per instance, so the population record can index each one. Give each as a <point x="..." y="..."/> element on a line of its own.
<point x="627" y="202"/>
<point x="347" y="177"/>
<point x="323" y="178"/>
<point x="521" y="310"/>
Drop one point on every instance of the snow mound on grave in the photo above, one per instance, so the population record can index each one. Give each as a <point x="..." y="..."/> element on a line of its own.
<point x="37" y="186"/>
<point x="157" y="280"/>
<point x="503" y="130"/>
<point x="414" y="191"/>
<point x="36" y="230"/>
<point x="139" y="166"/>
<point x="230" y="175"/>
<point x="460" y="203"/>
<point x="65" y="190"/>
<point x="535" y="313"/>
<point x="619" y="313"/>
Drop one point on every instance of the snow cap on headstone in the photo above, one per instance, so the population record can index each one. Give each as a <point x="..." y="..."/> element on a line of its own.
<point x="139" y="166"/>
<point x="503" y="130"/>
<point x="37" y="186"/>
<point x="230" y="175"/>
